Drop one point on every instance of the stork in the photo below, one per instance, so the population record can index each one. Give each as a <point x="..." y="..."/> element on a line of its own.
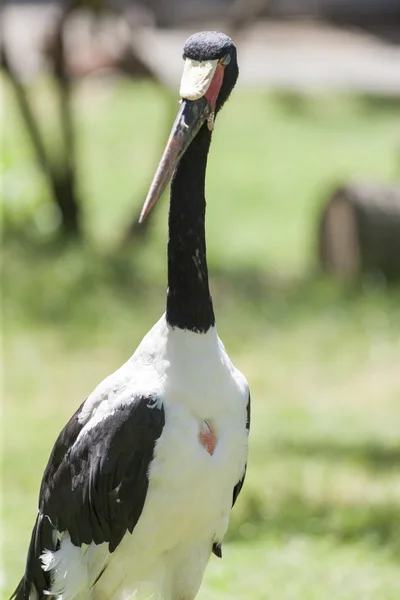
<point x="139" y="486"/>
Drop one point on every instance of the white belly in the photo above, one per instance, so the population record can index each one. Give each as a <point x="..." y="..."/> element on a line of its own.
<point x="186" y="510"/>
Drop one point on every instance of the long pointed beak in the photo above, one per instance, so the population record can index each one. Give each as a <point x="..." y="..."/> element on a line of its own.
<point x="191" y="116"/>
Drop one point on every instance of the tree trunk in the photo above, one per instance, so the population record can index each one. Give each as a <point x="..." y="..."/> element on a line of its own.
<point x="65" y="195"/>
<point x="360" y="231"/>
<point x="60" y="178"/>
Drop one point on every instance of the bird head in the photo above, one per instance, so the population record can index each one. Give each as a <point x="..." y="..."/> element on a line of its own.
<point x="209" y="75"/>
<point x="210" y="68"/>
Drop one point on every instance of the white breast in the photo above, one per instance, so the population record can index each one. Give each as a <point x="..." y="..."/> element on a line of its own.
<point x="190" y="493"/>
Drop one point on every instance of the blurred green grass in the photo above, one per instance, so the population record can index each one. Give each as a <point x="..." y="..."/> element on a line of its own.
<point x="319" y="515"/>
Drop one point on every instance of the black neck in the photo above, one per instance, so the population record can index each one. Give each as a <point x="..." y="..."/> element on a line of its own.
<point x="189" y="304"/>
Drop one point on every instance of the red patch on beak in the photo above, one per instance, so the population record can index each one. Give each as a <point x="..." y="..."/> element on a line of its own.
<point x="215" y="86"/>
<point x="207" y="437"/>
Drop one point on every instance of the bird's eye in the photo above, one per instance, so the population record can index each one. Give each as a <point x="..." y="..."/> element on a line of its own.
<point x="225" y="60"/>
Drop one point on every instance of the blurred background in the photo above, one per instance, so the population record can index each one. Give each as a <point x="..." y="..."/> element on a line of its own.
<point x="303" y="232"/>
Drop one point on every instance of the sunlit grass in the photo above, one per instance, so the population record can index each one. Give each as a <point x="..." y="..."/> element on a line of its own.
<point x="319" y="515"/>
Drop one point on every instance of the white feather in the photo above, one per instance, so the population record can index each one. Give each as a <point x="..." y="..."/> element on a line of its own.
<point x="68" y="569"/>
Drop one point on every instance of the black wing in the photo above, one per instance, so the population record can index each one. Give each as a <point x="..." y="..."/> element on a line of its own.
<point x="217" y="548"/>
<point x="95" y="485"/>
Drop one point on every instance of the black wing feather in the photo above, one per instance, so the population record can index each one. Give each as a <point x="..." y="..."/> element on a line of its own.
<point x="103" y="480"/>
<point x="94" y="486"/>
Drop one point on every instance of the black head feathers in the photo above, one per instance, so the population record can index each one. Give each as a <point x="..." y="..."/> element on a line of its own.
<point x="208" y="45"/>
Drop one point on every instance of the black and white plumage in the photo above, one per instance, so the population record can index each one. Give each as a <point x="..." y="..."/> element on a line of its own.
<point x="138" y="489"/>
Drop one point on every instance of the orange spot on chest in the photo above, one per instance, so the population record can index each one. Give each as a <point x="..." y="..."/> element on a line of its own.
<point x="207" y="437"/>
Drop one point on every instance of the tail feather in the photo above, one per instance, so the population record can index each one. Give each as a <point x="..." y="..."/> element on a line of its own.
<point x="19" y="592"/>
<point x="36" y="582"/>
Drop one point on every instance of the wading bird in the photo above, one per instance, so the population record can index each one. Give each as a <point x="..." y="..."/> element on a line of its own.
<point x="139" y="486"/>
